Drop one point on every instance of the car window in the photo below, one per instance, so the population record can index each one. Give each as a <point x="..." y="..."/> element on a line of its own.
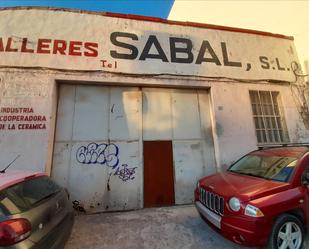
<point x="25" y="195"/>
<point x="268" y="167"/>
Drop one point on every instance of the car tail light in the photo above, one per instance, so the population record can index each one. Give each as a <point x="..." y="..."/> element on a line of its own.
<point x="14" y="231"/>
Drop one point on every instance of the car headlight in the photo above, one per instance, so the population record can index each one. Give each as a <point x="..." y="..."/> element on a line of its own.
<point x="253" y="211"/>
<point x="234" y="204"/>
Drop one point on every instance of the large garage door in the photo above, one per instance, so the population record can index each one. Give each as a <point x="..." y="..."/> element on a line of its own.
<point x="183" y="117"/>
<point x="98" y="152"/>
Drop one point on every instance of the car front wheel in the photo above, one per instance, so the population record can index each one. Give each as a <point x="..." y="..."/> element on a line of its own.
<point x="287" y="233"/>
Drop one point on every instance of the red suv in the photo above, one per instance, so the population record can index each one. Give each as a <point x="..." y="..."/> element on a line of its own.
<point x="262" y="199"/>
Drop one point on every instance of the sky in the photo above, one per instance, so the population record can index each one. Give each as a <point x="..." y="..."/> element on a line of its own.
<point x="157" y="8"/>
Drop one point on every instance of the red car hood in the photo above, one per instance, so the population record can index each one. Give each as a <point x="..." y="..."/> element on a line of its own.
<point x="245" y="187"/>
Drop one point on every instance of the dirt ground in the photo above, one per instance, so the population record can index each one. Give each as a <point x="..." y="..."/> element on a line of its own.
<point x="155" y="228"/>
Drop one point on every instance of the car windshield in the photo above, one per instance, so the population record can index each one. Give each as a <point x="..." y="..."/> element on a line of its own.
<point x="276" y="168"/>
<point x="25" y="195"/>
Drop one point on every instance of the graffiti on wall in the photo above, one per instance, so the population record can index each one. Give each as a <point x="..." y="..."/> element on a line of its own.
<point x="107" y="155"/>
<point x="93" y="153"/>
<point x="125" y="173"/>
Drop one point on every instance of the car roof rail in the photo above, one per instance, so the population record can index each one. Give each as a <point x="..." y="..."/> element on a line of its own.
<point x="266" y="146"/>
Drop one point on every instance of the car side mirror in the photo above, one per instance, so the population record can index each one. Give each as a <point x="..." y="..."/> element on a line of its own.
<point x="305" y="178"/>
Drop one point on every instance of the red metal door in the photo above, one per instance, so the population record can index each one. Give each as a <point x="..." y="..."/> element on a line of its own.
<point x="158" y="174"/>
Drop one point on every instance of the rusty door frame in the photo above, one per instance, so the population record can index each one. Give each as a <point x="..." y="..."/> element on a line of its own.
<point x="172" y="168"/>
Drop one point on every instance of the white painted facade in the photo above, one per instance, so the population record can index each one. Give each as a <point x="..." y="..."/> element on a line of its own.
<point x="85" y="123"/>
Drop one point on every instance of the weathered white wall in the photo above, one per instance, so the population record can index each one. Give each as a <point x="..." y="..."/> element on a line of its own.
<point x="33" y="88"/>
<point x="194" y="112"/>
<point x="95" y="42"/>
<point x="24" y="91"/>
<point x="225" y="119"/>
<point x="234" y="126"/>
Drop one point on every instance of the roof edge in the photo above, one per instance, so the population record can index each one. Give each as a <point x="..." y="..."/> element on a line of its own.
<point x="157" y="20"/>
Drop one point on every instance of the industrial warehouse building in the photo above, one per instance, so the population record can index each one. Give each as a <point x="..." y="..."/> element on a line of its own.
<point x="128" y="112"/>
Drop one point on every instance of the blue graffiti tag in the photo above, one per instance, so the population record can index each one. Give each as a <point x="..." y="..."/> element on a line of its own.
<point x="105" y="154"/>
<point x="98" y="154"/>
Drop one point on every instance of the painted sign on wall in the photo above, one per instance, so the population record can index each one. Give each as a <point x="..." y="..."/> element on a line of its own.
<point x="96" y="42"/>
<point x="21" y="118"/>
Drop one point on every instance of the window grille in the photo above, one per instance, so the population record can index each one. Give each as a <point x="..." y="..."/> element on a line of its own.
<point x="268" y="117"/>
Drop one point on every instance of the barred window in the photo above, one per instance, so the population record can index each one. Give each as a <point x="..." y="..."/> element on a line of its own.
<point x="268" y="117"/>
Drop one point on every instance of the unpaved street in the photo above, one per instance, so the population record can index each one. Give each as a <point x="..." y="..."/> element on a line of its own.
<point x="178" y="227"/>
<point x="156" y="228"/>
